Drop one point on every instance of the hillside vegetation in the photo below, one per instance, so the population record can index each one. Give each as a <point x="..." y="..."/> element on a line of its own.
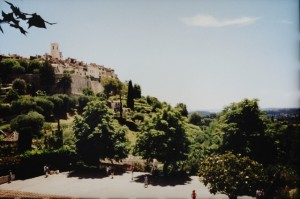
<point x="239" y="144"/>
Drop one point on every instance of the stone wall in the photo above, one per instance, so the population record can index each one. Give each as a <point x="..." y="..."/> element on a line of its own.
<point x="78" y="83"/>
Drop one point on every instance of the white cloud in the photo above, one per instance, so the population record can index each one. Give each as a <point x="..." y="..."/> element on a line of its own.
<point x="212" y="22"/>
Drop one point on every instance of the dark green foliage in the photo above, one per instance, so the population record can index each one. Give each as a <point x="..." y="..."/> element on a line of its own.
<point x="88" y="91"/>
<point x="163" y="138"/>
<point x="6" y="68"/>
<point x="130" y="96"/>
<point x="32" y="162"/>
<point x="195" y="118"/>
<point x="18" y="69"/>
<point x="101" y="96"/>
<point x="154" y="102"/>
<point x="244" y="128"/>
<point x="11" y="95"/>
<point x="27" y="125"/>
<point x="97" y="134"/>
<point x="45" y="106"/>
<point x="111" y="86"/>
<point x="63" y="104"/>
<point x="233" y="175"/>
<point x="65" y="83"/>
<point x="182" y="109"/>
<point x="24" y="105"/>
<point x="137" y="92"/>
<point x="54" y="141"/>
<point x="82" y="102"/>
<point x="5" y="111"/>
<point x="24" y="63"/>
<point x="34" y="66"/>
<point x="47" y="77"/>
<point x="20" y="86"/>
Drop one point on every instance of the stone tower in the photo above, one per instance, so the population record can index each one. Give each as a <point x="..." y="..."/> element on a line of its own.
<point x="55" y="53"/>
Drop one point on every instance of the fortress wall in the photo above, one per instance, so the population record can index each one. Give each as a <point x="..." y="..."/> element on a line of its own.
<point x="79" y="83"/>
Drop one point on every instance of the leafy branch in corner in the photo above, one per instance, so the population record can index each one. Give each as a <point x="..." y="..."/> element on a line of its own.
<point x="13" y="19"/>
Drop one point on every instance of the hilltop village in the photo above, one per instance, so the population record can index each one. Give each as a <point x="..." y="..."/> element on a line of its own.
<point x="83" y="74"/>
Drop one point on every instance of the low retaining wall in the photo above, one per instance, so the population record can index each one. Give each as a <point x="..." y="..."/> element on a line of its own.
<point x="4" y="179"/>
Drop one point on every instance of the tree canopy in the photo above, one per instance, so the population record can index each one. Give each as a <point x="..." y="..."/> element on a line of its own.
<point x="111" y="86"/>
<point x="27" y="125"/>
<point x="98" y="135"/>
<point x="244" y="129"/>
<point x="233" y="175"/>
<point x="163" y="137"/>
<point x="6" y="68"/>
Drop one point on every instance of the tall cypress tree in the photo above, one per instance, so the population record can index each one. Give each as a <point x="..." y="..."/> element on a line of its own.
<point x="130" y="97"/>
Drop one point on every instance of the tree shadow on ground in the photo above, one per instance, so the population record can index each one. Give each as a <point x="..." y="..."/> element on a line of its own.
<point x="90" y="174"/>
<point x="171" y="180"/>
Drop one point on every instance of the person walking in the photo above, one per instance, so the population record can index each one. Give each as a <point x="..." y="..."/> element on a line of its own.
<point x="46" y="170"/>
<point x="107" y="170"/>
<point x="194" y="195"/>
<point x="146" y="181"/>
<point x="9" y="176"/>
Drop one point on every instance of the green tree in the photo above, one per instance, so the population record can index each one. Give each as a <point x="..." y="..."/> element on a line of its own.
<point x="111" y="86"/>
<point x="18" y="69"/>
<point x="130" y="96"/>
<point x="230" y="174"/>
<point x="24" y="63"/>
<point x="24" y="105"/>
<point x="34" y="66"/>
<point x="20" y="86"/>
<point x="244" y="128"/>
<point x="182" y="109"/>
<point x="27" y="125"/>
<point x="98" y="135"/>
<point x="204" y="143"/>
<point x="82" y="102"/>
<point x="11" y="95"/>
<point x="65" y="83"/>
<point x="137" y="92"/>
<point x="47" y="77"/>
<point x="63" y="104"/>
<point x="163" y="137"/>
<point x="154" y="102"/>
<point x="195" y="118"/>
<point x="6" y="68"/>
<point x="45" y="106"/>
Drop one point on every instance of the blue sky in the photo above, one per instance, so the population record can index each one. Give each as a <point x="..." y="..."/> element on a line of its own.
<point x="206" y="54"/>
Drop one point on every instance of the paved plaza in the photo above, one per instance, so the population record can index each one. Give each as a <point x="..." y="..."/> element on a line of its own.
<point x="121" y="186"/>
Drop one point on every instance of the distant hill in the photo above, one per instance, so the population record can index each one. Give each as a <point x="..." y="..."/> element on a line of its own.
<point x="204" y="113"/>
<point x="282" y="112"/>
<point x="271" y="112"/>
